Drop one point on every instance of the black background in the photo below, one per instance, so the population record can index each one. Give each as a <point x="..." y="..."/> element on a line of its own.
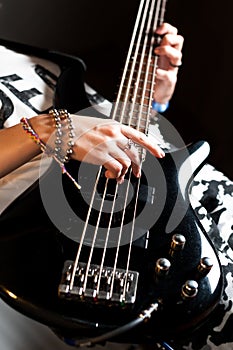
<point x="99" y="33"/>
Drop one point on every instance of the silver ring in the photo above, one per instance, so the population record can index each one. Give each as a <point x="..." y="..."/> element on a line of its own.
<point x="129" y="145"/>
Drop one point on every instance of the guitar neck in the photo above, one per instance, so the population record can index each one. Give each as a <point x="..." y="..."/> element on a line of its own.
<point x="135" y="95"/>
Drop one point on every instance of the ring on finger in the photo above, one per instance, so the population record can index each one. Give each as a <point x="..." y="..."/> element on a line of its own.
<point x="130" y="143"/>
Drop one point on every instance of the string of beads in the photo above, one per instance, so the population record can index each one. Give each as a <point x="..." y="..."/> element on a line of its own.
<point x="58" y="154"/>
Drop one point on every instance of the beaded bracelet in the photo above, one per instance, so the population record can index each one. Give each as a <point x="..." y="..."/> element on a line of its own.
<point x="59" y="115"/>
<point x="32" y="134"/>
<point x="44" y="148"/>
<point x="64" y="114"/>
<point x="159" y="107"/>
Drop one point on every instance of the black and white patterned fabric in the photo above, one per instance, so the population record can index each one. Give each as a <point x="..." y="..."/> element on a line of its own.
<point x="24" y="91"/>
<point x="212" y="197"/>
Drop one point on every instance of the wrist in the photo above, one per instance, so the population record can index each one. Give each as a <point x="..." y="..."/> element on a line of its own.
<point x="44" y="126"/>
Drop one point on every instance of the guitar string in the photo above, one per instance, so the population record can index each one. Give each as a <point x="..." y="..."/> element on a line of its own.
<point x="125" y="97"/>
<point x="160" y="10"/>
<point x="106" y="243"/>
<point x="139" y="73"/>
<point x="137" y="84"/>
<point x="127" y="189"/>
<point x="108" y="230"/>
<point x="114" y="111"/>
<point x="94" y="238"/>
<point x="142" y="102"/>
<point x="76" y="262"/>
<point x="139" y="117"/>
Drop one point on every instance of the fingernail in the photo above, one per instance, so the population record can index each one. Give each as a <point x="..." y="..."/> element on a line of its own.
<point x="120" y="180"/>
<point x="162" y="154"/>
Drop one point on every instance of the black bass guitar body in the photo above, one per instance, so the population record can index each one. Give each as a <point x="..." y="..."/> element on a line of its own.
<point x="168" y="261"/>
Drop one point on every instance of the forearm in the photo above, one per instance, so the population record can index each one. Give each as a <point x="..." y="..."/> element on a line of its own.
<point x="17" y="148"/>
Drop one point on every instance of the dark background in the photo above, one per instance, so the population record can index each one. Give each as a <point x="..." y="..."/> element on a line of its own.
<point x="99" y="33"/>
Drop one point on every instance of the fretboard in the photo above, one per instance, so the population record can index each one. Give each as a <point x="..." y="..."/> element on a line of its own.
<point x="134" y="99"/>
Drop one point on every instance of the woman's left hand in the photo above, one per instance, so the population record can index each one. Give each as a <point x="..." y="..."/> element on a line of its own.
<point x="170" y="59"/>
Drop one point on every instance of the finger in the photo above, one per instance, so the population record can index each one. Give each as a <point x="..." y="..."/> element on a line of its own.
<point x="142" y="140"/>
<point x="120" y="179"/>
<point x="172" y="54"/>
<point x="113" y="168"/>
<point x="136" y="170"/>
<point x="109" y="175"/>
<point x="99" y="157"/>
<point x="130" y="148"/>
<point x="126" y="154"/>
<point x="166" y="28"/>
<point x="118" y="164"/>
<point x="133" y="154"/>
<point x="167" y="76"/>
<point x="175" y="41"/>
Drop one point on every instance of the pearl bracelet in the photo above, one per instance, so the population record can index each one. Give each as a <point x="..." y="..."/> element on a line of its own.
<point x="60" y="115"/>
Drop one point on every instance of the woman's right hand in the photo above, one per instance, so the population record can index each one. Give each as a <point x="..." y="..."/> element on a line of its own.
<point x="102" y="142"/>
<point x="111" y="144"/>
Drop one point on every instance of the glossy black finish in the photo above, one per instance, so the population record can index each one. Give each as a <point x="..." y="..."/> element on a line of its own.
<point x="33" y="250"/>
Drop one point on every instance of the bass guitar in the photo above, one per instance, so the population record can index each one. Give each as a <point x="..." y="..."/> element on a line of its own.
<point x="130" y="262"/>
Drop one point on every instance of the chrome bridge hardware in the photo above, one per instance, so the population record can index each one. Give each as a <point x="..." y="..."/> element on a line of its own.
<point x="117" y="286"/>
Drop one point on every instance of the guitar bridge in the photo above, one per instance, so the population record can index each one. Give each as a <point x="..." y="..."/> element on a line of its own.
<point x="97" y="284"/>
